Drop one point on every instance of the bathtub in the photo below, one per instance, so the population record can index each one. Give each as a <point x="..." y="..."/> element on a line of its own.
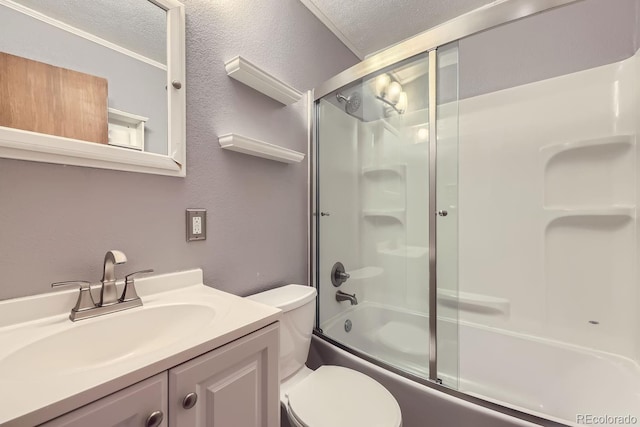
<point x="565" y="383"/>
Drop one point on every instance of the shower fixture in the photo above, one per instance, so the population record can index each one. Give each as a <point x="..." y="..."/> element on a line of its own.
<point x="352" y="102"/>
<point x="389" y="91"/>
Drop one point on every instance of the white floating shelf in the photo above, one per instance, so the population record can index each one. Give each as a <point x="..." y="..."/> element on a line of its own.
<point x="606" y="211"/>
<point x="245" y="72"/>
<point x="257" y="148"/>
<point x="549" y="151"/>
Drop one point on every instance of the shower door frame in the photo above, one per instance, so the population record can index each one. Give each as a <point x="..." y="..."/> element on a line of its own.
<point x="492" y="15"/>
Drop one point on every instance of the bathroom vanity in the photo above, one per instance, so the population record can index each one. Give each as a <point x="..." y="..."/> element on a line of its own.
<point x="190" y="356"/>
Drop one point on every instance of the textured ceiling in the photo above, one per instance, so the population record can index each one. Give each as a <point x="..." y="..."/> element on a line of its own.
<point x="367" y="26"/>
<point x="137" y="25"/>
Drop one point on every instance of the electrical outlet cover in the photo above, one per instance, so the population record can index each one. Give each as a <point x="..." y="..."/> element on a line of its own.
<point x="196" y="224"/>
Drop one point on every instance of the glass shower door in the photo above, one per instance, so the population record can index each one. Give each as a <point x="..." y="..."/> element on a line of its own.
<point x="446" y="188"/>
<point x="373" y="216"/>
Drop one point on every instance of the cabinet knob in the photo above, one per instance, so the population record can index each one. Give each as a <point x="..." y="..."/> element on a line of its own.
<point x="177" y="84"/>
<point x="154" y="419"/>
<point x="189" y="400"/>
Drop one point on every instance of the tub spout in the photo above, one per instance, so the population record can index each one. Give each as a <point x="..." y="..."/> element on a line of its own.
<point x="342" y="296"/>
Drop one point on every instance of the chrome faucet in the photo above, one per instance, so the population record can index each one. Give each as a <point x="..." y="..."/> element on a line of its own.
<point x="108" y="291"/>
<point x="343" y="296"/>
<point x="109" y="301"/>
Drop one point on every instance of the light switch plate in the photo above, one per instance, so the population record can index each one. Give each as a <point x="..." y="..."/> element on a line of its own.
<point x="196" y="224"/>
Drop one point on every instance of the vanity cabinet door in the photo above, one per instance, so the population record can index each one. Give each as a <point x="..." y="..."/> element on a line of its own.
<point x="235" y="385"/>
<point x="130" y="407"/>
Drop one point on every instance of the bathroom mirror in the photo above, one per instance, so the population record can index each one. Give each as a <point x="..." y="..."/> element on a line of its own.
<point x="133" y="47"/>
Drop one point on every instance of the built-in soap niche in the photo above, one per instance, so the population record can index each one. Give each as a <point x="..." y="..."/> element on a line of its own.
<point x="590" y="173"/>
<point x="377" y="229"/>
<point x="589" y="277"/>
<point x="384" y="188"/>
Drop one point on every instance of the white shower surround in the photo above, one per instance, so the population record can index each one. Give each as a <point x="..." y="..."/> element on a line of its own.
<point x="547" y="232"/>
<point x="547" y="195"/>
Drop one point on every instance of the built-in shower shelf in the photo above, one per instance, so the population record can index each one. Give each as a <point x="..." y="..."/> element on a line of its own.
<point x="397" y="214"/>
<point x="254" y="147"/>
<point x="627" y="211"/>
<point x="365" y="273"/>
<point x="251" y="75"/>
<point x="549" y="151"/>
<point x="405" y="251"/>
<point x="476" y="303"/>
<point x="397" y="169"/>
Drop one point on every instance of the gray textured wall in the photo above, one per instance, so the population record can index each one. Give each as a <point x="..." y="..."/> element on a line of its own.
<point x="57" y="221"/>
<point x="565" y="40"/>
<point x="134" y="86"/>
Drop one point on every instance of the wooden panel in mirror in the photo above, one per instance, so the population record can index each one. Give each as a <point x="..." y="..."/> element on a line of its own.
<point x="42" y="98"/>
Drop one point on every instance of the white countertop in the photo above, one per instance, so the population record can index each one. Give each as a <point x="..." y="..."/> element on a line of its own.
<point x="35" y="394"/>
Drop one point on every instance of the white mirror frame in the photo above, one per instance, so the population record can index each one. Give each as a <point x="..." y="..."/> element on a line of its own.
<point x="38" y="147"/>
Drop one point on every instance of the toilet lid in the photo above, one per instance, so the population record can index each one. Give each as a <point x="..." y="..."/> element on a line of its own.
<point x="334" y="396"/>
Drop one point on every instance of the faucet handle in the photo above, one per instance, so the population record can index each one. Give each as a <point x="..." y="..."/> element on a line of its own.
<point x="85" y="298"/>
<point x="129" y="292"/>
<point x="135" y="273"/>
<point x="83" y="284"/>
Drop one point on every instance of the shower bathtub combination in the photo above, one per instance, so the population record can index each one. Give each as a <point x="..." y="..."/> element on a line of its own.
<point x="554" y="385"/>
<point x="474" y="193"/>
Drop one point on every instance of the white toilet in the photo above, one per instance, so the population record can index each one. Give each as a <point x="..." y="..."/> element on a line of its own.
<point x="331" y="396"/>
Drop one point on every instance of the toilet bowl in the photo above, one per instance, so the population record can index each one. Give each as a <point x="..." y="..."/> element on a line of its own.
<point x="330" y="396"/>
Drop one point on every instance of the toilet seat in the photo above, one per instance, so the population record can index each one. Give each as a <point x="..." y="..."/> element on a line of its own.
<point x="333" y="396"/>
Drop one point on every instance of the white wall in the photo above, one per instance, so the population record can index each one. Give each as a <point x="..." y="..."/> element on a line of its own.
<point x="556" y="273"/>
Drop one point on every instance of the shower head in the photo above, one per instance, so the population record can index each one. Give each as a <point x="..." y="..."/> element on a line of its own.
<point x="352" y="103"/>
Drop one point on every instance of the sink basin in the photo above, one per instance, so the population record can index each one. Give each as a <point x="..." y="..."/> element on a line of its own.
<point x="93" y="343"/>
<point x="60" y="364"/>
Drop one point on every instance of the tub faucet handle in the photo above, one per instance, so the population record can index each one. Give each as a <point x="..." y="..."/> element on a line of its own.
<point x="338" y="274"/>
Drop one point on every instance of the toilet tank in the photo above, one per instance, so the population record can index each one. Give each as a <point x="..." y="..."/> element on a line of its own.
<point x="297" y="303"/>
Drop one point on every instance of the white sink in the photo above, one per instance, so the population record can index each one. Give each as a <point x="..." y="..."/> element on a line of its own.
<point x="61" y="365"/>
<point x="105" y="340"/>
